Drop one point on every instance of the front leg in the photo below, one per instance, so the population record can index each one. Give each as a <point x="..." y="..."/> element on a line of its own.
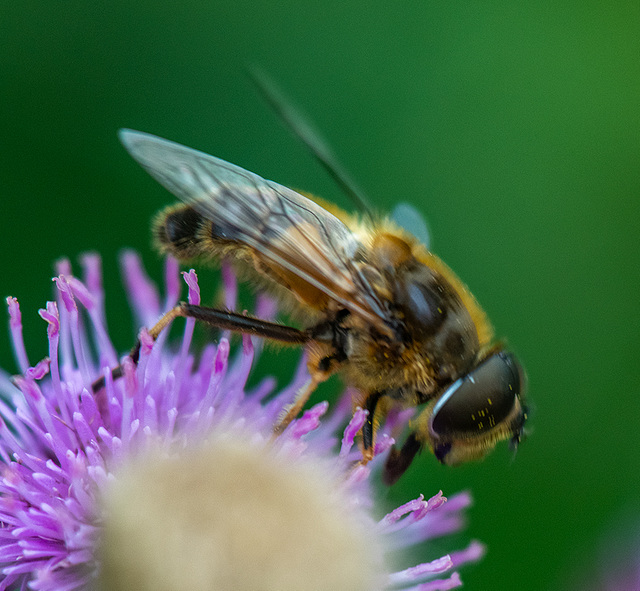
<point x="399" y="460"/>
<point x="369" y="429"/>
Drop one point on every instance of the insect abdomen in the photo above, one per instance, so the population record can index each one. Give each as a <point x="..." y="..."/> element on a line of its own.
<point x="182" y="232"/>
<point x="177" y="231"/>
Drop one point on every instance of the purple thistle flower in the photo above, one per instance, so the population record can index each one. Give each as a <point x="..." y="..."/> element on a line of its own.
<point x="64" y="448"/>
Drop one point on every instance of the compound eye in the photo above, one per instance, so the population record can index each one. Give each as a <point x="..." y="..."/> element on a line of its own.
<point x="422" y="305"/>
<point x="481" y="400"/>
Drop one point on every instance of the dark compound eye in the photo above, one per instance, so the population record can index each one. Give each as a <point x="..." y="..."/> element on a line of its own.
<point x="479" y="401"/>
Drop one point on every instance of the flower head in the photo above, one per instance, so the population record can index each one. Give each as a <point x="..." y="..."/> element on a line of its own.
<point x="171" y="475"/>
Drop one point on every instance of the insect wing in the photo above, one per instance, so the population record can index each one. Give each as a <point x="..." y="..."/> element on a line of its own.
<point x="411" y="220"/>
<point x="288" y="229"/>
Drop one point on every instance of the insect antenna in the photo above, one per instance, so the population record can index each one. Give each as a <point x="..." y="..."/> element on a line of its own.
<point x="300" y="126"/>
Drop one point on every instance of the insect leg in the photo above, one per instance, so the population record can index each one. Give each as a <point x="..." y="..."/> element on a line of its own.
<point x="399" y="460"/>
<point x="371" y="425"/>
<point x="293" y="410"/>
<point x="240" y="323"/>
<point x="222" y="319"/>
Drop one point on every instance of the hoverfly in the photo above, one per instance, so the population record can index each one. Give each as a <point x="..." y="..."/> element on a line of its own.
<point x="381" y="309"/>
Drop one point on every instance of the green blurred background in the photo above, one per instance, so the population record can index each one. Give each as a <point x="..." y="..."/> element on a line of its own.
<point x="513" y="126"/>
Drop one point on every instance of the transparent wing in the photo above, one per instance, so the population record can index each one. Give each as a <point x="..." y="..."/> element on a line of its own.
<point x="288" y="229"/>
